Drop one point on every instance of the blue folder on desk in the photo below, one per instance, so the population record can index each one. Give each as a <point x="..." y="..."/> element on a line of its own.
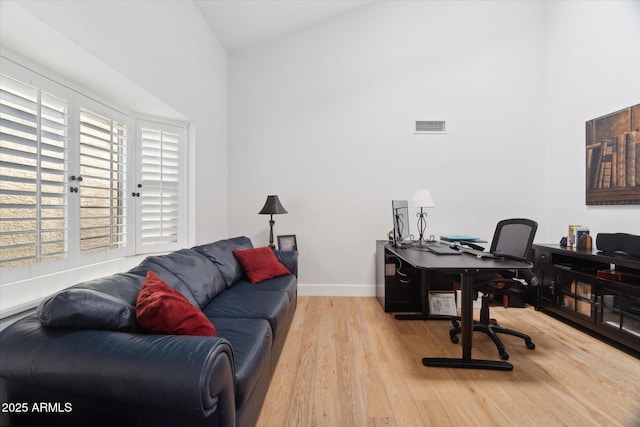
<point x="459" y="238"/>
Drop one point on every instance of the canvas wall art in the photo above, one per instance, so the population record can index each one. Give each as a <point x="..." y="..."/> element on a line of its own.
<point x="613" y="158"/>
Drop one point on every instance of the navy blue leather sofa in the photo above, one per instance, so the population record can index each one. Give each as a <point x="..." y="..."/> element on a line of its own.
<point x="99" y="369"/>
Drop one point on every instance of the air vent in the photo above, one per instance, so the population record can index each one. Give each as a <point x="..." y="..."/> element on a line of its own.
<point x="431" y="126"/>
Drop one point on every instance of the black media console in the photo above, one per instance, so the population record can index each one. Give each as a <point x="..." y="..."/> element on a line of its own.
<point x="599" y="291"/>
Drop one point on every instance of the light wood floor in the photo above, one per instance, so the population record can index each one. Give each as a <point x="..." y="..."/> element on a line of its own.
<point x="347" y="363"/>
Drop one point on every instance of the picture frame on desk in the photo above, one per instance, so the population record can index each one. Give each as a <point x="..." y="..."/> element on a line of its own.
<point x="287" y="242"/>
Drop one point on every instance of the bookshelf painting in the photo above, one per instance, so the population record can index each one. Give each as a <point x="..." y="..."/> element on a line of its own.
<point x="613" y="158"/>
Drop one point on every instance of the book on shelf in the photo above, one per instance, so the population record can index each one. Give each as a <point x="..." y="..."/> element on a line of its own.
<point x="575" y="232"/>
<point x="631" y="159"/>
<point x="605" y="179"/>
<point x="614" y="162"/>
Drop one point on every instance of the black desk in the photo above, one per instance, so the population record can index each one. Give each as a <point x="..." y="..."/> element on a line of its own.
<point x="467" y="266"/>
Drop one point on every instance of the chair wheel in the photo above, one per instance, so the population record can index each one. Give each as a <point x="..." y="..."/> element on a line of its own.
<point x="454" y="339"/>
<point x="504" y="355"/>
<point x="455" y="323"/>
<point x="530" y="345"/>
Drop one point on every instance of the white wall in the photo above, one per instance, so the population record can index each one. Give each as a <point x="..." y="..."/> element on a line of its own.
<point x="324" y="118"/>
<point x="592" y="69"/>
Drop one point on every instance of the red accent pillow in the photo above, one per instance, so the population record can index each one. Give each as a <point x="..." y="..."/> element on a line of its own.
<point x="163" y="310"/>
<point x="260" y="264"/>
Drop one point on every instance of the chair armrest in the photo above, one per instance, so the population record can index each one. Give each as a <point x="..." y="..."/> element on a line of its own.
<point x="289" y="259"/>
<point x="186" y="374"/>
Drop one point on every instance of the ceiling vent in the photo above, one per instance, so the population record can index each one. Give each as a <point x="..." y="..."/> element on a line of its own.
<point x="431" y="126"/>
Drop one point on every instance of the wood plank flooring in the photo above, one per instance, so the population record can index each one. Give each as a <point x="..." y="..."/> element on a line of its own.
<point x="347" y="363"/>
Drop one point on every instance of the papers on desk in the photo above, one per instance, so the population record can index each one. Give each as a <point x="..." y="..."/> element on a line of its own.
<point x="442" y="303"/>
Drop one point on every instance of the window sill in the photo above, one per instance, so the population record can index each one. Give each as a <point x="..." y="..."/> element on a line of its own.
<point x="18" y="297"/>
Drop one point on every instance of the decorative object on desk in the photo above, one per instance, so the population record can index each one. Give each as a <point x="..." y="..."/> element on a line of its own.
<point x="422" y="199"/>
<point x="613" y="158"/>
<point x="272" y="207"/>
<point x="584" y="241"/>
<point x="575" y="231"/>
<point x="287" y="243"/>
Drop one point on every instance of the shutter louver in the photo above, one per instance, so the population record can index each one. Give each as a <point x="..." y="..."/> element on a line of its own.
<point x="160" y="163"/>
<point x="103" y="169"/>
<point x="34" y="148"/>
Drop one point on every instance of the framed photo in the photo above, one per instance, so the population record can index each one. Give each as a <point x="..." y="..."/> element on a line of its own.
<point x="287" y="243"/>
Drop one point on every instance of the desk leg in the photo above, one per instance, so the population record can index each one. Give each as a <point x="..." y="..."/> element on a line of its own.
<point x="466" y="325"/>
<point x="466" y="315"/>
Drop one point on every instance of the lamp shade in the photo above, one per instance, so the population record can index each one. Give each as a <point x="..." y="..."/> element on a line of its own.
<point x="273" y="206"/>
<point x="422" y="199"/>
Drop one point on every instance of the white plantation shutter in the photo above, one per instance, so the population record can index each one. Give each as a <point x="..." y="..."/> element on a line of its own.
<point x="102" y="182"/>
<point x="160" y="204"/>
<point x="34" y="144"/>
<point x="77" y="185"/>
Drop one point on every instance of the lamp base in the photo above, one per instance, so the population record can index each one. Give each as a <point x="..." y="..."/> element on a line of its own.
<point x="271" y="223"/>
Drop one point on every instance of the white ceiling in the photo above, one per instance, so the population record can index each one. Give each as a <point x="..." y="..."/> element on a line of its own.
<point x="242" y="23"/>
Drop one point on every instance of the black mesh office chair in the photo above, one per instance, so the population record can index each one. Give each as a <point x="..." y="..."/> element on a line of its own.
<point x="512" y="237"/>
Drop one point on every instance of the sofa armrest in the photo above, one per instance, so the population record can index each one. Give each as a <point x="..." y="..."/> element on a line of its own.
<point x="190" y="375"/>
<point x="289" y="259"/>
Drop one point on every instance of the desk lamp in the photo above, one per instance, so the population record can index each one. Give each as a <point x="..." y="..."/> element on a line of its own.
<point x="422" y="199"/>
<point x="272" y="207"/>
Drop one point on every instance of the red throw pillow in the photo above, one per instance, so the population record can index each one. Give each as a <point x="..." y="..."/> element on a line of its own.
<point x="260" y="264"/>
<point x="163" y="310"/>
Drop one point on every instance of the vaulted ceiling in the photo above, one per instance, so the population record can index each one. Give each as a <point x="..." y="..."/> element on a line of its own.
<point x="241" y="24"/>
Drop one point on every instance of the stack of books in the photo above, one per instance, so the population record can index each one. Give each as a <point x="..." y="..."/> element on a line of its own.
<point x="575" y="232"/>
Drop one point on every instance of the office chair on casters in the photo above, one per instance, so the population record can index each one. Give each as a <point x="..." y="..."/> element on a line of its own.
<point x="512" y="237"/>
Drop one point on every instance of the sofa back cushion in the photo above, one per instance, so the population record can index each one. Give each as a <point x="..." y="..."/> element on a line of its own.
<point x="155" y="263"/>
<point x="107" y="303"/>
<point x="221" y="253"/>
<point x="199" y="275"/>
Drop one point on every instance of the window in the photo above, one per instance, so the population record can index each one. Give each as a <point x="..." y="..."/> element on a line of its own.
<point x="34" y="148"/>
<point x="160" y="201"/>
<point x="102" y="182"/>
<point x="77" y="185"/>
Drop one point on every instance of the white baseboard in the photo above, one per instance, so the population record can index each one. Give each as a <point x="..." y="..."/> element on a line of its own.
<point x="336" y="290"/>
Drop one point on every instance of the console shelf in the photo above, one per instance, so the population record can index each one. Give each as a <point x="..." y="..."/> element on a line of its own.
<point x="596" y="290"/>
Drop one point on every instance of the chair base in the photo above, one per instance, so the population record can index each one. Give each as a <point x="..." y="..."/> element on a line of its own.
<point x="491" y="330"/>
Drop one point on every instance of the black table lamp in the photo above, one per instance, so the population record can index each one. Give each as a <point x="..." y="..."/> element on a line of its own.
<point x="272" y="207"/>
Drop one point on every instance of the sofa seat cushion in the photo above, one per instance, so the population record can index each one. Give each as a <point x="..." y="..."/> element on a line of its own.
<point x="250" y="304"/>
<point x="221" y="253"/>
<point x="287" y="284"/>
<point x="251" y="341"/>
